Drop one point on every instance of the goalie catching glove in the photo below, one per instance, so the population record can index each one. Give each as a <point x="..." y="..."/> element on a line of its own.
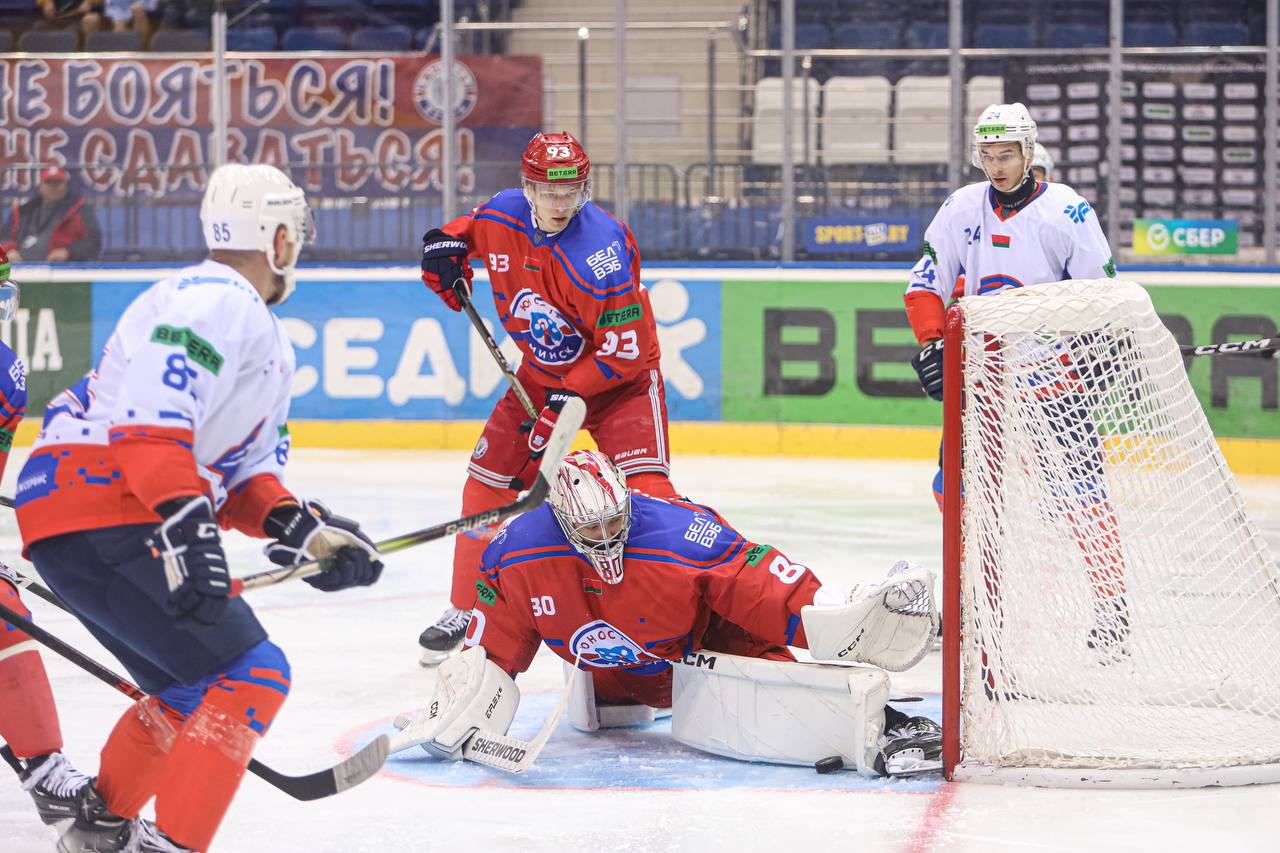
<point x="890" y="624"/>
<point x="308" y="532"/>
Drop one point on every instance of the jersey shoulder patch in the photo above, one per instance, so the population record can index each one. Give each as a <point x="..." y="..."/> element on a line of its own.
<point x="596" y="252"/>
<point x="682" y="534"/>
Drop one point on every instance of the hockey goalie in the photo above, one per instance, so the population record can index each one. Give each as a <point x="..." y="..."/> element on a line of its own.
<point x="660" y="606"/>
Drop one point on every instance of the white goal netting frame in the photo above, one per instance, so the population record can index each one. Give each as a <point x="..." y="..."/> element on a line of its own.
<point x="1119" y="612"/>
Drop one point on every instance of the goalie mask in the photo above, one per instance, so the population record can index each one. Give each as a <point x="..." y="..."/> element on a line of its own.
<point x="592" y="504"/>
<point x="1004" y="123"/>
<point x="9" y="290"/>
<point x="555" y="174"/>
<point x="244" y="207"/>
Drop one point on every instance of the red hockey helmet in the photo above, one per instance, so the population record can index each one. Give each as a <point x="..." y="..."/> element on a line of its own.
<point x="555" y="174"/>
<point x="550" y="158"/>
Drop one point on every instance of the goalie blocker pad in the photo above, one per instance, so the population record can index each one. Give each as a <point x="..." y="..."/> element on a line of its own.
<point x="473" y="695"/>
<point x="891" y="625"/>
<point x="779" y="712"/>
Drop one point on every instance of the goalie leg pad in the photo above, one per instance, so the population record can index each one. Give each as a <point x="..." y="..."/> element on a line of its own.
<point x="472" y="695"/>
<point x="586" y="715"/>
<point x="778" y="711"/>
<point x="890" y="625"/>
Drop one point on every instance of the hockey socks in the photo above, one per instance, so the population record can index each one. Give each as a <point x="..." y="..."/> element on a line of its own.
<point x="212" y="750"/>
<point x="28" y="716"/>
<point x="135" y="754"/>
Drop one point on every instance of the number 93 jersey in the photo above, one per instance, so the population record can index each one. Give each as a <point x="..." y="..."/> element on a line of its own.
<point x="572" y="301"/>
<point x="190" y="395"/>
<point x="685" y="570"/>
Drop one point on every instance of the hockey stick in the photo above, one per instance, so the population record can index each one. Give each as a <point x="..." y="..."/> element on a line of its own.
<point x="566" y="429"/>
<point x="1264" y="347"/>
<point x="324" y="783"/>
<point x="460" y="289"/>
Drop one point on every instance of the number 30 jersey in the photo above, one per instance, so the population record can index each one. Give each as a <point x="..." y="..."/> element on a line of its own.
<point x="190" y="395"/>
<point x="686" y="573"/>
<point x="976" y="246"/>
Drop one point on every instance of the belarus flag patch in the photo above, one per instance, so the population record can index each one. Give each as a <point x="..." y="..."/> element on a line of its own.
<point x="1000" y="241"/>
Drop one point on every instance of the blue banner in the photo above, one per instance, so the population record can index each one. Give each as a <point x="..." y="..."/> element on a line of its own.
<point x="387" y="349"/>
<point x="860" y="235"/>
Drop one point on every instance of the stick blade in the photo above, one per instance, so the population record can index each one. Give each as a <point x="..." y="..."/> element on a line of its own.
<point x="362" y="766"/>
<point x="561" y="438"/>
<point x="345" y="775"/>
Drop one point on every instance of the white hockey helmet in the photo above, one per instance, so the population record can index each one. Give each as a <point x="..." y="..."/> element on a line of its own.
<point x="1004" y="123"/>
<point x="592" y="504"/>
<point x="243" y="208"/>
<point x="1042" y="159"/>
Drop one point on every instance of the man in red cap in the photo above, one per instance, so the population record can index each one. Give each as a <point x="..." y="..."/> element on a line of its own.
<point x="565" y="276"/>
<point x="53" y="225"/>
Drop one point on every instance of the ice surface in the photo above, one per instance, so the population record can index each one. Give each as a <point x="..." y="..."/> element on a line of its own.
<point x="354" y="658"/>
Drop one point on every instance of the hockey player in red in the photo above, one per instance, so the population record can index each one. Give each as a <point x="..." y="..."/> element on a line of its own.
<point x="620" y="585"/>
<point x="181" y="428"/>
<point x="566" y="281"/>
<point x="28" y="716"/>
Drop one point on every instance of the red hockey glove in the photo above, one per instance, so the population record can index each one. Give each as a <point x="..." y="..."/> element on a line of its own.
<point x="444" y="262"/>
<point x="539" y="433"/>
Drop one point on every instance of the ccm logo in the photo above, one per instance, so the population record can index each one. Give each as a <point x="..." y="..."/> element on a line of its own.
<point x="700" y="660"/>
<point x="857" y="639"/>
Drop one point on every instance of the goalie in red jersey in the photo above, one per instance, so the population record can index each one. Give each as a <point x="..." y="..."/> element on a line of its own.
<point x="650" y="601"/>
<point x="565" y="276"/>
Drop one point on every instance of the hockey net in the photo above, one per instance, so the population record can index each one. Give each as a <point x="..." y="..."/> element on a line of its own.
<point x="1119" y="612"/>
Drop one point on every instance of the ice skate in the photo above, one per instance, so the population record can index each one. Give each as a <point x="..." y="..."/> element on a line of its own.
<point x="445" y="637"/>
<point x="911" y="748"/>
<point x="54" y="784"/>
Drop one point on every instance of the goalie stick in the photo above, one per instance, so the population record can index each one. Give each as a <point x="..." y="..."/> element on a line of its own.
<point x="460" y="289"/>
<point x="314" y="786"/>
<point x="566" y="429"/>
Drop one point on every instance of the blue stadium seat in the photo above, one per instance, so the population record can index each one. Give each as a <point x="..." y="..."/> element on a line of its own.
<point x="313" y="38"/>
<point x="179" y="41"/>
<point x="384" y="39"/>
<point x="421" y="37"/>
<point x="1076" y="35"/>
<point x="251" y="39"/>
<point x="1004" y="36"/>
<point x="103" y="41"/>
<point x="1215" y="33"/>
<point x="49" y="41"/>
<point x="808" y="37"/>
<point x="926" y="34"/>
<point x="1150" y="34"/>
<point x="6" y="41"/>
<point x="878" y="35"/>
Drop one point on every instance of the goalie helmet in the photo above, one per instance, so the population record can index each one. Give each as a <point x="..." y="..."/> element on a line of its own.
<point x="592" y="504"/>
<point x="244" y="207"/>
<point x="1004" y="123"/>
<point x="9" y="289"/>
<point x="555" y="174"/>
<point x="1042" y="159"/>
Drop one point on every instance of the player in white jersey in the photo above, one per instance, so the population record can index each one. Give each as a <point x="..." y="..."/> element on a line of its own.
<point x="1015" y="231"/>
<point x="180" y="429"/>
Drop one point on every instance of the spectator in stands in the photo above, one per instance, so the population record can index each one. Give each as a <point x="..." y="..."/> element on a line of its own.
<point x="53" y="225"/>
<point x="123" y="13"/>
<point x="62" y="14"/>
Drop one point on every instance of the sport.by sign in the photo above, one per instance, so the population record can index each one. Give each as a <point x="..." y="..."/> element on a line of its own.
<point x="1184" y="237"/>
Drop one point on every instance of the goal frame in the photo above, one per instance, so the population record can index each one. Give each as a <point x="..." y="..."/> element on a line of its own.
<point x="955" y="768"/>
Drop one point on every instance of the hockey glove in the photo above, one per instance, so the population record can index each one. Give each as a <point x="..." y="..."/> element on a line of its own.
<point x="546" y="422"/>
<point x="311" y="532"/>
<point x="928" y="365"/>
<point x="444" y="262"/>
<point x="195" y="567"/>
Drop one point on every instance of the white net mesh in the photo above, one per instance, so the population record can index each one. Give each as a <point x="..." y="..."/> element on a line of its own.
<point x="1120" y="610"/>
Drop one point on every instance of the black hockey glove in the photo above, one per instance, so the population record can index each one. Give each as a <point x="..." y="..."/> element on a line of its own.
<point x="444" y="262"/>
<point x="195" y="567"/>
<point x="311" y="532"/>
<point x="928" y="365"/>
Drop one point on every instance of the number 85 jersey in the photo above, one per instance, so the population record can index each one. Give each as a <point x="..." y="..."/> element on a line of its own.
<point x="190" y="395"/>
